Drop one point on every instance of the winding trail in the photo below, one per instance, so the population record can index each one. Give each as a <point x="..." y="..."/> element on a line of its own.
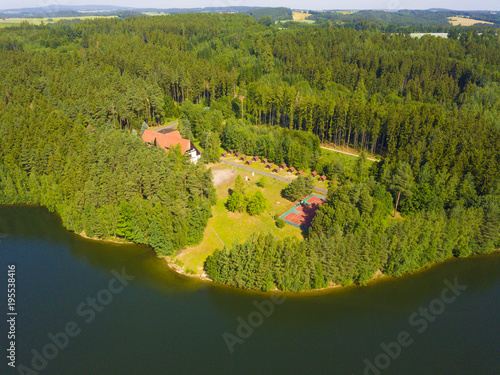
<point x="319" y="190"/>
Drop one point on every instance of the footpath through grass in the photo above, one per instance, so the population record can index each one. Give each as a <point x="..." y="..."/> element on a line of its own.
<point x="229" y="227"/>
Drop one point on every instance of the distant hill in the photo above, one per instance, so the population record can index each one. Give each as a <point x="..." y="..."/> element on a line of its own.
<point x="277" y="14"/>
<point x="53" y="9"/>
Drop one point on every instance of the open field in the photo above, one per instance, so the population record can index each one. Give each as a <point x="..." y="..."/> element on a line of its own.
<point x="225" y="227"/>
<point x="38" y="21"/>
<point x="300" y="16"/>
<point x="462" y="21"/>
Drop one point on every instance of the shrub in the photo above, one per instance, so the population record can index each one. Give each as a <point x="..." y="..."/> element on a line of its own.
<point x="280" y="223"/>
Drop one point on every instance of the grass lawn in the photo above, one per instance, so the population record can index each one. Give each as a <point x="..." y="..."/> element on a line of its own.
<point x="227" y="227"/>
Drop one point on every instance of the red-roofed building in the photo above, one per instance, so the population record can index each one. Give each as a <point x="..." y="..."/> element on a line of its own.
<point x="269" y="166"/>
<point x="291" y="169"/>
<point x="322" y="178"/>
<point x="283" y="166"/>
<point x="243" y="157"/>
<point x="276" y="170"/>
<point x="224" y="154"/>
<point x="168" y="140"/>
<point x="255" y="158"/>
<point x="264" y="161"/>
<point x="238" y="154"/>
<point x="300" y="172"/>
<point x="314" y="173"/>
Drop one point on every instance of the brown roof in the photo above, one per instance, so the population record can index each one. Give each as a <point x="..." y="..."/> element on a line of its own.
<point x="276" y="170"/>
<point x="231" y="151"/>
<point x="224" y="154"/>
<point x="300" y="172"/>
<point x="243" y="157"/>
<point x="166" y="140"/>
<point x="255" y="158"/>
<point x="238" y="153"/>
<point x="264" y="161"/>
<point x="314" y="173"/>
<point x="248" y="162"/>
<point x="291" y="169"/>
<point x="283" y="165"/>
<point x="269" y="166"/>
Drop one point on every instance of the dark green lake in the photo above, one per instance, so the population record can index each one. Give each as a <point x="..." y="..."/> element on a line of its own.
<point x="163" y="323"/>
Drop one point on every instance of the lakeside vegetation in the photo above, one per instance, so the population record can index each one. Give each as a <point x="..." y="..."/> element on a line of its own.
<point x="75" y="97"/>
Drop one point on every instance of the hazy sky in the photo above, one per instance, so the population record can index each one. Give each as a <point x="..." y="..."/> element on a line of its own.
<point x="296" y="4"/>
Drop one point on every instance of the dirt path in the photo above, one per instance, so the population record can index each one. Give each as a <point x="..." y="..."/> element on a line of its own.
<point x="345" y="152"/>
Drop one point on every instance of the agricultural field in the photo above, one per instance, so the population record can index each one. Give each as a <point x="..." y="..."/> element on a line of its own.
<point x="5" y="22"/>
<point x="300" y="16"/>
<point x="225" y="227"/>
<point x="462" y="21"/>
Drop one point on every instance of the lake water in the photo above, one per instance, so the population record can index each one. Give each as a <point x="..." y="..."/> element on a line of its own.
<point x="164" y="323"/>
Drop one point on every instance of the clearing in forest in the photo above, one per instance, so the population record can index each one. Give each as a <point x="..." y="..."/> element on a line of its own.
<point x="462" y="21"/>
<point x="226" y="228"/>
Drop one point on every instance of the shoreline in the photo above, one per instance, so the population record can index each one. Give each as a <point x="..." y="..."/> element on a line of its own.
<point x="204" y="277"/>
<point x="82" y="234"/>
<point x="378" y="276"/>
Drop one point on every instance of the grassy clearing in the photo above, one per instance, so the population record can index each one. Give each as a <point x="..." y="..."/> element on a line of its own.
<point x="227" y="227"/>
<point x="37" y="21"/>
<point x="463" y="21"/>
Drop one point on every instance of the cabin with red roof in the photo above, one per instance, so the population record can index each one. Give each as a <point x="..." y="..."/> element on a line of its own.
<point x="269" y="166"/>
<point x="231" y="151"/>
<point x="291" y="169"/>
<point x="314" y="173"/>
<point x="169" y="140"/>
<point x="243" y="157"/>
<point x="322" y="178"/>
<point x="224" y="154"/>
<point x="300" y="172"/>
<point x="248" y="162"/>
<point x="276" y="170"/>
<point x="264" y="161"/>
<point x="255" y="158"/>
<point x="238" y="154"/>
<point x="283" y="166"/>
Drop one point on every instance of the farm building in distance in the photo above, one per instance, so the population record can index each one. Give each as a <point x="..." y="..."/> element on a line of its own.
<point x="170" y="139"/>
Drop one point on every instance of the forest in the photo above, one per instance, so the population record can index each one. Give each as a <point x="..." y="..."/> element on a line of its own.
<point x="76" y="95"/>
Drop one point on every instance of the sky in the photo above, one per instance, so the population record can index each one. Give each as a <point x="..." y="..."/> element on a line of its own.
<point x="295" y="4"/>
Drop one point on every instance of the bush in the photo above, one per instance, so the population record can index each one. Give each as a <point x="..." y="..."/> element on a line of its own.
<point x="280" y="223"/>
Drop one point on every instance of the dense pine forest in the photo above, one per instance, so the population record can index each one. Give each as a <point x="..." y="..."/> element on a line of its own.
<point x="76" y="97"/>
